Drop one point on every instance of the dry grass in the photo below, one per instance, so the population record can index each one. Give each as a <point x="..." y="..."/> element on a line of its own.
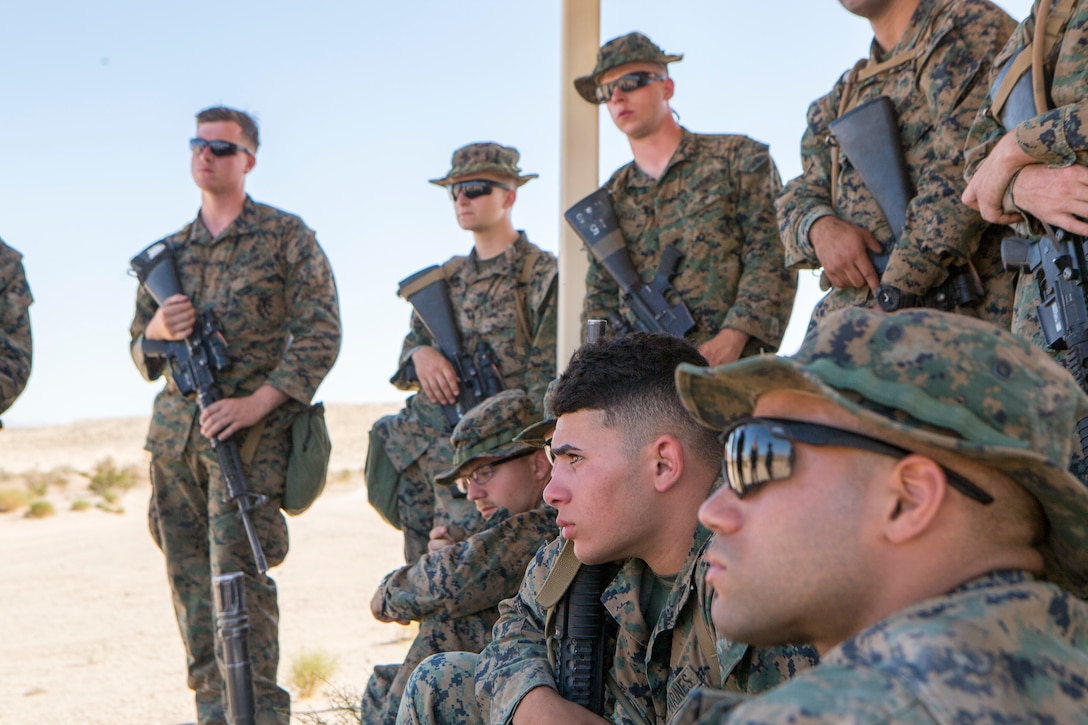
<point x="311" y="669"/>
<point x="13" y="499"/>
<point x="40" y="509"/>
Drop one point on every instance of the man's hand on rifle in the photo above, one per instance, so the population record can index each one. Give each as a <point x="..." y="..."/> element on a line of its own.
<point x="225" y="417"/>
<point x="436" y="376"/>
<point x="1057" y="196"/>
<point x="842" y="249"/>
<point x="986" y="190"/>
<point x="173" y="321"/>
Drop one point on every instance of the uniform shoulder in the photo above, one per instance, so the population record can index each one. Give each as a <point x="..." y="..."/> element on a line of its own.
<point x="732" y="150"/>
<point x="270" y="216"/>
<point x="8" y="255"/>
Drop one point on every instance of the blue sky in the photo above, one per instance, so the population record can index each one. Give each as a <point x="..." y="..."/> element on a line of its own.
<point x="359" y="104"/>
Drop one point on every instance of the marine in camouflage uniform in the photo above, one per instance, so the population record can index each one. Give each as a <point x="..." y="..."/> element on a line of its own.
<point x="934" y="73"/>
<point x="454" y="591"/>
<point x="956" y="602"/>
<point x="660" y="643"/>
<point x="271" y="288"/>
<point x="16" y="345"/>
<point x="505" y="297"/>
<point x="712" y="198"/>
<point x="1051" y="146"/>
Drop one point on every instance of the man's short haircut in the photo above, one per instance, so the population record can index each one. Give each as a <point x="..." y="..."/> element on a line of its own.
<point x="631" y="379"/>
<point x="243" y="119"/>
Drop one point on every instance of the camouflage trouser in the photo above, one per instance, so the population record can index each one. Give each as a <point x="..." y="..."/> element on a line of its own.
<point x="424" y="504"/>
<point x="387" y="683"/>
<point x="201" y="536"/>
<point x="441" y="691"/>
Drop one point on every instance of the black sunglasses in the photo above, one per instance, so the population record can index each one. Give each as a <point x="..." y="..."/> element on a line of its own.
<point x="626" y="83"/>
<point x="219" y="148"/>
<point x="760" y="450"/>
<point x="474" y="188"/>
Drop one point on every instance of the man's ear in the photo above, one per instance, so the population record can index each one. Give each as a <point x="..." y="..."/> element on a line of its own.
<point x="511" y="196"/>
<point x="670" y="88"/>
<point x="251" y="161"/>
<point x="542" y="469"/>
<point x="668" y="461"/>
<point x="916" y="489"/>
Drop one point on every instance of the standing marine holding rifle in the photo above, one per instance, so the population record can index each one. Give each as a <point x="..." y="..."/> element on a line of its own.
<point x="711" y="197"/>
<point x="901" y="239"/>
<point x="261" y="273"/>
<point x="503" y="298"/>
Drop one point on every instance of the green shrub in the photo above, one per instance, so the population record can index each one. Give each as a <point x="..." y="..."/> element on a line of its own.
<point x="13" y="499"/>
<point x="109" y="481"/>
<point x="40" y="510"/>
<point x="309" y="670"/>
<point x="81" y="504"/>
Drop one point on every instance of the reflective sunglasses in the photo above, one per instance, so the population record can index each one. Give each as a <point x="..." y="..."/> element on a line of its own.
<point x="474" y="188"/>
<point x="219" y="148"/>
<point x="760" y="450"/>
<point x="626" y="83"/>
<point x="482" y="475"/>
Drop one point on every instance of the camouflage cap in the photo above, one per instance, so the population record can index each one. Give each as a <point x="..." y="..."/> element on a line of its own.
<point x="538" y="434"/>
<point x="630" y="48"/>
<point x="932" y="381"/>
<point x="484" y="158"/>
<point x="489" y="429"/>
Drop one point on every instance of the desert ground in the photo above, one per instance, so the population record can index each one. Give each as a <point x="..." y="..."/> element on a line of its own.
<point x="88" y="632"/>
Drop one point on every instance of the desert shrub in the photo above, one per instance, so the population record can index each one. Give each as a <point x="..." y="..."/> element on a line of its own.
<point x="310" y="669"/>
<point x="81" y="504"/>
<point x="40" y="510"/>
<point x="109" y="508"/>
<point x="108" y="480"/>
<point x="38" y="483"/>
<point x="13" y="499"/>
<point x="343" y="709"/>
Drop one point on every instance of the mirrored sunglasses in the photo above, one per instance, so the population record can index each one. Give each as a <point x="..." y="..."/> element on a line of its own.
<point x="760" y="450"/>
<point x="474" y="188"/>
<point x="218" y="148"/>
<point x="627" y="82"/>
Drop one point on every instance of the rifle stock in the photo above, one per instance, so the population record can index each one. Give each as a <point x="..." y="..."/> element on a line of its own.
<point x="595" y="222"/>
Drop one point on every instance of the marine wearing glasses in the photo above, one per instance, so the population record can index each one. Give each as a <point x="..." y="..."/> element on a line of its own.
<point x="475" y="188"/>
<point x="627" y="82"/>
<point x="481" y="475"/>
<point x="218" y="148"/>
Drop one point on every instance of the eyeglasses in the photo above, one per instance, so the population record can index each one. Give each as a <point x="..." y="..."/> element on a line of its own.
<point x="626" y="83"/>
<point x="760" y="450"/>
<point x="482" y="475"/>
<point x="474" y="188"/>
<point x="219" y="148"/>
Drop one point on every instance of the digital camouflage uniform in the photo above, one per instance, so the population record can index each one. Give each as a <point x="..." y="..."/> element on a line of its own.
<point x="936" y="92"/>
<point x="508" y="302"/>
<point x="272" y="290"/>
<point x="1001" y="648"/>
<point x="656" y="666"/>
<point x="15" y="342"/>
<point x="714" y="202"/>
<point x="454" y="592"/>
<point x="998" y="647"/>
<point x="1057" y="138"/>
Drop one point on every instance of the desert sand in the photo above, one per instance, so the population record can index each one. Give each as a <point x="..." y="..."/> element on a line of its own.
<point x="88" y="630"/>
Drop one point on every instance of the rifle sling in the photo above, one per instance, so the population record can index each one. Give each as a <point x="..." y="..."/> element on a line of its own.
<point x="560" y="577"/>
<point x="1048" y="24"/>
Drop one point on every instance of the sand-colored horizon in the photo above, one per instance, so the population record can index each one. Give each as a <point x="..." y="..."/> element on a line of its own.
<point x="90" y="635"/>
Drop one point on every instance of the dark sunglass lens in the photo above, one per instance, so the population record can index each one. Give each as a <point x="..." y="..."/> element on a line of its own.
<point x="603" y="93"/>
<point x="630" y="82"/>
<point x="196" y="145"/>
<point x="223" y="148"/>
<point x="475" y="189"/>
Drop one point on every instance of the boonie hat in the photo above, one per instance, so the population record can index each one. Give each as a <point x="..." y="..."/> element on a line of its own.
<point x="929" y="381"/>
<point x="630" y="48"/>
<point x="485" y="158"/>
<point x="489" y="430"/>
<point x="538" y="434"/>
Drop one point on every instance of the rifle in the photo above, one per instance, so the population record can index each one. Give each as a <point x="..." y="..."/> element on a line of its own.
<point x="193" y="364"/>
<point x="477" y="372"/>
<point x="595" y="222"/>
<point x="580" y="622"/>
<point x="232" y="631"/>
<point x="1057" y="262"/>
<point x="869" y="136"/>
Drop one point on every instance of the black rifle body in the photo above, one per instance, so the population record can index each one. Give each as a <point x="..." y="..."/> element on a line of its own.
<point x="595" y="222"/>
<point x="193" y="364"/>
<point x="477" y="371"/>
<point x="232" y="630"/>
<point x="869" y="137"/>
